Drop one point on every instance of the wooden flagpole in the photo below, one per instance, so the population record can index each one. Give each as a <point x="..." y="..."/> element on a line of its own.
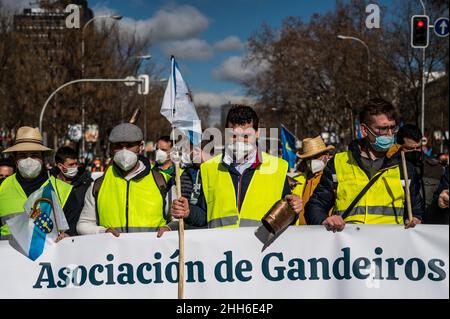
<point x="180" y="236"/>
<point x="408" y="196"/>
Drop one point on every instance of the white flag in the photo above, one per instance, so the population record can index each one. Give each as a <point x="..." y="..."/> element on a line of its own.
<point x="178" y="107"/>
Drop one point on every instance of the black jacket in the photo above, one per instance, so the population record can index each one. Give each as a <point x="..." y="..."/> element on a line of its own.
<point x="75" y="202"/>
<point x="435" y="214"/>
<point x="197" y="216"/>
<point x="323" y="198"/>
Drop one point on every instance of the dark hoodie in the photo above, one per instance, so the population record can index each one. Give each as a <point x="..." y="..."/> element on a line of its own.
<point x="324" y="197"/>
<point x="75" y="202"/>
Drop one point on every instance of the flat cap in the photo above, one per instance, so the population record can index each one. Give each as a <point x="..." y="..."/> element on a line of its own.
<point x="126" y="133"/>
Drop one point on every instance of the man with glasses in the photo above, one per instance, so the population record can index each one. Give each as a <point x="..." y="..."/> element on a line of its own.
<point x="363" y="184"/>
<point x="129" y="197"/>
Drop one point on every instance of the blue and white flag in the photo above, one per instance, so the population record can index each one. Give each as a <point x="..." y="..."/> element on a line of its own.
<point x="178" y="107"/>
<point x="35" y="229"/>
<point x="288" y="146"/>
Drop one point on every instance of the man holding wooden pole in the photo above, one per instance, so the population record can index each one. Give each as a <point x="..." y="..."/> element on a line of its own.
<point x="363" y="184"/>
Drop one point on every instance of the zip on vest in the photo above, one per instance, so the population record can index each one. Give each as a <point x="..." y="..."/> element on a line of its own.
<point x="126" y="206"/>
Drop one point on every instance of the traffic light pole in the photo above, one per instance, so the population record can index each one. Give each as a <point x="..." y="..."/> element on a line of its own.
<point x="422" y="117"/>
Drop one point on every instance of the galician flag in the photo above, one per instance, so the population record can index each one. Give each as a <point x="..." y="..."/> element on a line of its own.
<point x="39" y="225"/>
<point x="178" y="107"/>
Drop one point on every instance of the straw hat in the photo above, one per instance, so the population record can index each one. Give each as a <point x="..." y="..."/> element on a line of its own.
<point x="314" y="146"/>
<point x="28" y="139"/>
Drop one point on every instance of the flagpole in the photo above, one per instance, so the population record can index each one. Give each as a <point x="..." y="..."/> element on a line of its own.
<point x="281" y="124"/>
<point x="178" y="188"/>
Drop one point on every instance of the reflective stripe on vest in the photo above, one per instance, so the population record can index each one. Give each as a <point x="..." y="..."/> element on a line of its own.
<point x="13" y="197"/>
<point x="137" y="229"/>
<point x="382" y="204"/>
<point x="265" y="188"/>
<point x="136" y="205"/>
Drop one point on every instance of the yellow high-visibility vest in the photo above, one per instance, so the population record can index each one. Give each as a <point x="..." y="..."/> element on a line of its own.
<point x="130" y="206"/>
<point x="300" y="187"/>
<point x="383" y="203"/>
<point x="13" y="197"/>
<point x="266" y="188"/>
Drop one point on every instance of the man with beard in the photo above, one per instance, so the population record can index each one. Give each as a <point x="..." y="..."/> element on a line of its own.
<point x="429" y="169"/>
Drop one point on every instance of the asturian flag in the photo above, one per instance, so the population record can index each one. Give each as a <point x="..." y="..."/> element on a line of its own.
<point x="39" y="225"/>
<point x="178" y="107"/>
<point x="288" y="146"/>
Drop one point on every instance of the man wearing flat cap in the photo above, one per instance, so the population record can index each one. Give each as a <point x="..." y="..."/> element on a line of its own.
<point x="129" y="197"/>
<point x="314" y="159"/>
<point x="29" y="153"/>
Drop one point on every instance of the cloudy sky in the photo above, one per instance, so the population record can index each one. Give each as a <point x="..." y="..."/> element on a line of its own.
<point x="208" y="37"/>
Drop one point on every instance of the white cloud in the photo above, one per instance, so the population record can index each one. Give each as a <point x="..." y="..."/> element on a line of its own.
<point x="233" y="69"/>
<point x="229" y="44"/>
<point x="216" y="100"/>
<point x="174" y="22"/>
<point x="193" y="49"/>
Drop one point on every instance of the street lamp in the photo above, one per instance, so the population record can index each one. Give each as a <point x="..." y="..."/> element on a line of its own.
<point x="115" y="17"/>
<point x="343" y="37"/>
<point x="126" y="81"/>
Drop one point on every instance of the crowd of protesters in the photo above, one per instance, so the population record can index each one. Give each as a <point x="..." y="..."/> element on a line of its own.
<point x="130" y="193"/>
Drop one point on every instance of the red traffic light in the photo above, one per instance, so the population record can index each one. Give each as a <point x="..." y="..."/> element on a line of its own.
<point x="419" y="31"/>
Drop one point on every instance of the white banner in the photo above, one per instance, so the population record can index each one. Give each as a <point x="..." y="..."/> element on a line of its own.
<point x="370" y="261"/>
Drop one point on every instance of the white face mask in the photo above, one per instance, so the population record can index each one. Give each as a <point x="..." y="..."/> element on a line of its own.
<point x="316" y="165"/>
<point x="161" y="156"/>
<point x="240" y="150"/>
<point x="71" y="172"/>
<point x="125" y="159"/>
<point x="29" y="167"/>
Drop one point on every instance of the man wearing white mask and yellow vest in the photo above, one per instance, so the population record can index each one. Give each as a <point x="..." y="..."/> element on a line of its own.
<point x="240" y="186"/>
<point x="129" y="197"/>
<point x="363" y="184"/>
<point x="29" y="153"/>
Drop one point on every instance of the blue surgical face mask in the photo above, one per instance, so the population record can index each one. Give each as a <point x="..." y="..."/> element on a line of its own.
<point x="383" y="143"/>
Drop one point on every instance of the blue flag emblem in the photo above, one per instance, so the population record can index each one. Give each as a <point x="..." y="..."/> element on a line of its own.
<point x="288" y="145"/>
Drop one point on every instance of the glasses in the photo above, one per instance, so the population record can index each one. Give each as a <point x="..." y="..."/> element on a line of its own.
<point x="384" y="130"/>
